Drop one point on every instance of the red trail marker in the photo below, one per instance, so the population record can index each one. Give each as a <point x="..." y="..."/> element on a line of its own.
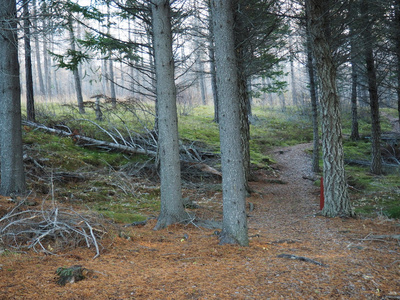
<point x="321" y="196"/>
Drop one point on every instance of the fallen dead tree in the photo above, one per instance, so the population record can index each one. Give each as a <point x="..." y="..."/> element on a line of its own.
<point x="91" y="141"/>
<point x="49" y="229"/>
<point x="191" y="157"/>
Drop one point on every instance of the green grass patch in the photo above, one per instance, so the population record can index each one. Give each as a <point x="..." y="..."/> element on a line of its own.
<point x="200" y="127"/>
<point x="385" y="204"/>
<point x="63" y="153"/>
<point x="130" y="209"/>
<point x="121" y="217"/>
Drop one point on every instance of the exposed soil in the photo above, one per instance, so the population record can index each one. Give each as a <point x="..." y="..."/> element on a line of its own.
<point x="339" y="258"/>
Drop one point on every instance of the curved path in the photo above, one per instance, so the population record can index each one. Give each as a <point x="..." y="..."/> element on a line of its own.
<point x="287" y="203"/>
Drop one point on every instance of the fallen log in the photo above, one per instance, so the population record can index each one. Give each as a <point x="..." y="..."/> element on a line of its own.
<point x="123" y="148"/>
<point x="91" y="141"/>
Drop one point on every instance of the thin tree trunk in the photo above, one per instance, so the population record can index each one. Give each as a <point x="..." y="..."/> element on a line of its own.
<point x="37" y="51"/>
<point x="201" y="80"/>
<point x="233" y="178"/>
<point x="335" y="186"/>
<point x="46" y="64"/>
<point x="111" y="66"/>
<point x="172" y="210"/>
<point x="292" y="76"/>
<point x="30" y="103"/>
<point x="376" y="159"/>
<point x="281" y="97"/>
<point x="12" y="168"/>
<point x="214" y="83"/>
<point x="112" y="84"/>
<point x="355" y="135"/>
<point x="77" y="78"/>
<point x="314" y="104"/>
<point x="397" y="34"/>
<point x="211" y="52"/>
<point x="249" y="85"/>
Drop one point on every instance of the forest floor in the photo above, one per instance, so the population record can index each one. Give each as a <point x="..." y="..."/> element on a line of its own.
<point x="323" y="258"/>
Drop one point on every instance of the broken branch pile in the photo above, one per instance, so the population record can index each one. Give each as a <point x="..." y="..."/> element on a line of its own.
<point x="49" y="229"/>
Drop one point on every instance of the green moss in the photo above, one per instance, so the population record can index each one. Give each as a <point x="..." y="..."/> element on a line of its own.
<point x="200" y="127"/>
<point x="123" y="217"/>
<point x="63" y="153"/>
<point x="381" y="203"/>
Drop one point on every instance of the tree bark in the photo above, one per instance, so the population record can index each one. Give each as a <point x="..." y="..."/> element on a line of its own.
<point x="172" y="210"/>
<point x="233" y="178"/>
<point x="397" y="34"/>
<point x="240" y="33"/>
<point x="335" y="187"/>
<point x="12" y="168"/>
<point x="314" y="104"/>
<point x="30" y="103"/>
<point x="212" y="64"/>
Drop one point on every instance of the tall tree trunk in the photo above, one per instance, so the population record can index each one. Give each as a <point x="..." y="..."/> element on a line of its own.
<point x="37" y="51"/>
<point x="110" y="76"/>
<point x="202" y="87"/>
<point x="314" y="104"/>
<point x="172" y="210"/>
<point x="112" y="84"/>
<point x="292" y="75"/>
<point x="335" y="187"/>
<point x="355" y="135"/>
<point x="211" y="51"/>
<point x="249" y="86"/>
<point x="214" y="82"/>
<point x="281" y="97"/>
<point x="77" y="78"/>
<point x="46" y="62"/>
<point x="244" y="120"/>
<point x="199" y="61"/>
<point x="376" y="159"/>
<point x="240" y="33"/>
<point x="30" y="103"/>
<point x="12" y="168"/>
<point x="233" y="178"/>
<point x="397" y="34"/>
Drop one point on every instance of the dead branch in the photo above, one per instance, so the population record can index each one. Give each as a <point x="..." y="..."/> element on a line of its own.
<point x="385" y="236"/>
<point x="301" y="258"/>
<point x="49" y="229"/>
<point x="93" y="142"/>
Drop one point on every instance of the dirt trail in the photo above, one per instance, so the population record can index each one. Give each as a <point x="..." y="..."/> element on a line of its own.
<point x="296" y="195"/>
<point x="289" y="210"/>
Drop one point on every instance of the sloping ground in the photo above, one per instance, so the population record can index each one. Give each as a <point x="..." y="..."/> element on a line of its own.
<point x="339" y="258"/>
